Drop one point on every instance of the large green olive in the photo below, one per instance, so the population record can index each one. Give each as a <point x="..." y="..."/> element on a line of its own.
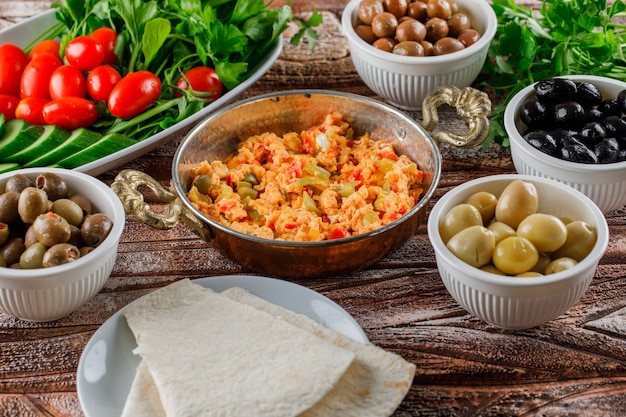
<point x="518" y="200"/>
<point x="473" y="245"/>
<point x="581" y="238"/>
<point x="32" y="257"/>
<point x="32" y="203"/>
<point x="458" y="218"/>
<point x="515" y="255"/>
<point x="485" y="202"/>
<point x="547" y="232"/>
<point x="501" y="230"/>
<point x="8" y="207"/>
<point x="542" y="263"/>
<point x="69" y="210"/>
<point x="50" y="229"/>
<point x="560" y="264"/>
<point x="60" y="254"/>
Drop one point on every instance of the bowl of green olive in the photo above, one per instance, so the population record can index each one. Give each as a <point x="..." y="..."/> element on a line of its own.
<point x="517" y="251"/>
<point x="403" y="50"/>
<point x="59" y="236"/>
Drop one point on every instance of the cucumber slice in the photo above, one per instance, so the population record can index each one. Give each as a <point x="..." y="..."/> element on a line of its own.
<point x="17" y="135"/>
<point x="8" y="167"/>
<point x="107" y="145"/>
<point x="51" y="138"/>
<point x="2" y="122"/>
<point x="78" y="140"/>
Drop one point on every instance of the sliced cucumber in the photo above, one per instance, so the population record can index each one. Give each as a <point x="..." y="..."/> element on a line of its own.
<point x="51" y="138"/>
<point x="2" y="122"/>
<point x="107" y="145"/>
<point x="8" y="167"/>
<point x="17" y="135"/>
<point x="78" y="140"/>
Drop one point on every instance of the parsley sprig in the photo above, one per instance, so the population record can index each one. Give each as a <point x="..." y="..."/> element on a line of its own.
<point x="564" y="37"/>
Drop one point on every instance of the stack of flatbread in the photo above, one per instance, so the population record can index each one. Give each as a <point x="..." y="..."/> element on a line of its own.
<point x="234" y="354"/>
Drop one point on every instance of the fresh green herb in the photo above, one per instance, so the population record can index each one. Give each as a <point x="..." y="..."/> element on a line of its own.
<point x="564" y="37"/>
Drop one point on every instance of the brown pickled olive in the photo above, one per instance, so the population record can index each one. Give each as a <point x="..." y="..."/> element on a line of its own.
<point x="559" y="265"/>
<point x="3" y="263"/>
<point x="32" y="257"/>
<point x="408" y="48"/>
<point x="473" y="245"/>
<point x="54" y="186"/>
<point x="29" y="236"/>
<point x="428" y="48"/>
<point x="69" y="210"/>
<point x="50" y="229"/>
<point x="518" y="200"/>
<point x="515" y="255"/>
<point x="501" y="230"/>
<point x="486" y="203"/>
<point x="83" y="202"/>
<point x="384" y="25"/>
<point x="12" y="250"/>
<point x="8" y="207"/>
<point x="368" y="9"/>
<point x="411" y="30"/>
<point x="84" y="250"/>
<point x="458" y="218"/>
<point x="385" y="44"/>
<point x="365" y="32"/>
<point x="447" y="45"/>
<point x="439" y="8"/>
<point x="469" y="37"/>
<point x="95" y="228"/>
<point x="457" y="23"/>
<point x="17" y="183"/>
<point x="60" y="254"/>
<point x="396" y="7"/>
<point x="4" y="233"/>
<point x="31" y="203"/>
<point x="581" y="238"/>
<point x="76" y="238"/>
<point x="417" y="10"/>
<point x="436" y="28"/>
<point x="547" y="232"/>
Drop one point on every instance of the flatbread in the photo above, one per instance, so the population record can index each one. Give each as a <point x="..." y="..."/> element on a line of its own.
<point x="143" y="398"/>
<point x="373" y="386"/>
<point x="211" y="356"/>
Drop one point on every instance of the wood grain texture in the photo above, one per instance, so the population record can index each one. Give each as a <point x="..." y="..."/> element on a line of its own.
<point x="574" y="365"/>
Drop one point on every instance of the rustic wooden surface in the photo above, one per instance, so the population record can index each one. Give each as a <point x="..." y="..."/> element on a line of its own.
<point x="574" y="365"/>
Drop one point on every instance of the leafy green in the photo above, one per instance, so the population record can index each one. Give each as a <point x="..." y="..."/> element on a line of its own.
<point x="564" y="37"/>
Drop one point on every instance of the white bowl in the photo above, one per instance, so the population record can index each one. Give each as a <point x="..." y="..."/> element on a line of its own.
<point x="404" y="81"/>
<point x="605" y="184"/>
<point x="47" y="294"/>
<point x="518" y="303"/>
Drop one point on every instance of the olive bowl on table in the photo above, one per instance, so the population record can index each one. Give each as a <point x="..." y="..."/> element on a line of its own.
<point x="583" y="147"/>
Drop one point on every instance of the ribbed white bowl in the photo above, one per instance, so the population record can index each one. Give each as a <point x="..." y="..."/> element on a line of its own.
<point x="405" y="81"/>
<point x="518" y="303"/>
<point x="47" y="294"/>
<point x="605" y="184"/>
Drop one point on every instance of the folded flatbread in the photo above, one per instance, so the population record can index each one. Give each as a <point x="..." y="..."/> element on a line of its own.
<point x="212" y="356"/>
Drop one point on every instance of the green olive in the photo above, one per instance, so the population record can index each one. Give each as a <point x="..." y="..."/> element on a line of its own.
<point x="515" y="255"/>
<point x="501" y="230"/>
<point x="529" y="274"/>
<point x="581" y="238"/>
<point x="518" y="200"/>
<point x="474" y="245"/>
<point x="32" y="203"/>
<point x="560" y="264"/>
<point x="60" y="254"/>
<point x="486" y="203"/>
<point x="458" y="218"/>
<point x="69" y="210"/>
<point x="50" y="229"/>
<point x="492" y="269"/>
<point x="32" y="257"/>
<point x="547" y="232"/>
<point x="542" y="263"/>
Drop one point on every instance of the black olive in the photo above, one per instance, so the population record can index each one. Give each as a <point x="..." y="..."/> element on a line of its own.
<point x="564" y="137"/>
<point x="621" y="156"/>
<point x="533" y="113"/>
<point x="621" y="100"/>
<point x="553" y="89"/>
<point x="610" y="107"/>
<point x="568" y="114"/>
<point x="543" y="141"/>
<point x="607" y="151"/>
<point x="593" y="114"/>
<point x="578" y="152"/>
<point x="615" y="126"/>
<point x="587" y="94"/>
<point x="592" y="132"/>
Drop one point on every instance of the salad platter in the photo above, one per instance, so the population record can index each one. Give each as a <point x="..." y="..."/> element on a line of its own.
<point x="25" y="31"/>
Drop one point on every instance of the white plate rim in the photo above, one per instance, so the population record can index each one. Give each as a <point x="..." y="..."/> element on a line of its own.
<point x="113" y="342"/>
<point x="35" y="25"/>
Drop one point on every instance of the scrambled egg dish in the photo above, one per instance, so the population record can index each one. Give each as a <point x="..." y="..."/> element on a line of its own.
<point x="322" y="183"/>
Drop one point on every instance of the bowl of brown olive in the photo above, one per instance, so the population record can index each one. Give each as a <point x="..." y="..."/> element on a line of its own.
<point x="572" y="129"/>
<point x="403" y="50"/>
<point x="517" y="251"/>
<point x="59" y="236"/>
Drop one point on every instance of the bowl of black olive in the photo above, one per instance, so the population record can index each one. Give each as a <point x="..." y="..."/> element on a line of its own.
<point x="59" y="236"/>
<point x="572" y="129"/>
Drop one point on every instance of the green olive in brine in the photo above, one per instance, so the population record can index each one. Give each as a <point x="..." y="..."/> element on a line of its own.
<point x="581" y="238"/>
<point x="547" y="232"/>
<point x="518" y="200"/>
<point x="473" y="245"/>
<point x="458" y="218"/>
<point x="486" y="203"/>
<point x="515" y="255"/>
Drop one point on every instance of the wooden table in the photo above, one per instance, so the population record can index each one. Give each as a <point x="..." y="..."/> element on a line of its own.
<point x="574" y="365"/>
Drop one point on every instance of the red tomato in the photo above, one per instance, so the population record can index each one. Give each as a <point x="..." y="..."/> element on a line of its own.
<point x="202" y="80"/>
<point x="30" y="109"/>
<point x="13" y="60"/>
<point x="8" y="104"/>
<point x="106" y="37"/>
<point x="338" y="232"/>
<point x="101" y="80"/>
<point x="67" y="81"/>
<point x="70" y="112"/>
<point x="84" y="52"/>
<point x="35" y="80"/>
<point x="48" y="46"/>
<point x="133" y="94"/>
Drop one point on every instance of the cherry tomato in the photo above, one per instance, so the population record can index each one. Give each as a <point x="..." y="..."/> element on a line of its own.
<point x="106" y="37"/>
<point x="48" y="46"/>
<point x="8" y="104"/>
<point x="70" y="113"/>
<point x="13" y="60"/>
<point x="35" y="80"/>
<point x="202" y="80"/>
<point x="67" y="81"/>
<point x="101" y="80"/>
<point x="30" y="109"/>
<point x="133" y="94"/>
<point x="84" y="52"/>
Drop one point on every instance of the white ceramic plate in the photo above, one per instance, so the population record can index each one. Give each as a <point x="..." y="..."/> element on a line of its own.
<point x="107" y="366"/>
<point x="23" y="32"/>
